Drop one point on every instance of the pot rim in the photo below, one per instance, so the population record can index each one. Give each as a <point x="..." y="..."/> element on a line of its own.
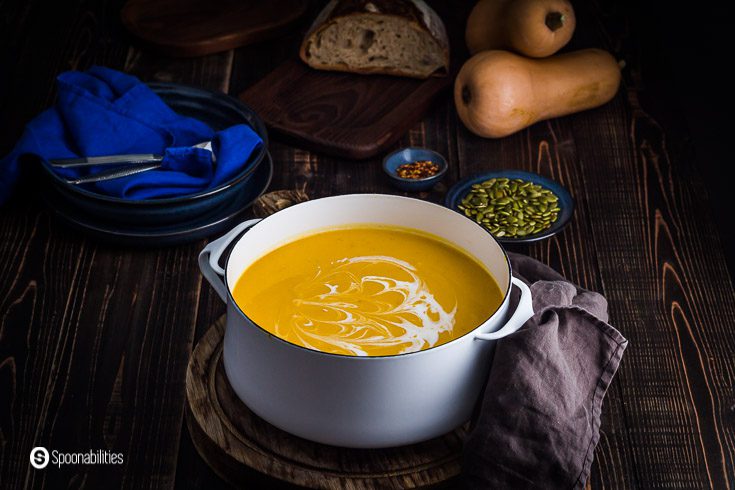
<point x="231" y="299"/>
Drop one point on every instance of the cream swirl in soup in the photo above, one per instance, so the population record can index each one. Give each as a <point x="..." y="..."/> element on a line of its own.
<point x="363" y="303"/>
<point x="367" y="291"/>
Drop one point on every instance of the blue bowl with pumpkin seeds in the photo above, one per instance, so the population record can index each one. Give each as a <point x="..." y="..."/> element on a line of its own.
<point x="564" y="202"/>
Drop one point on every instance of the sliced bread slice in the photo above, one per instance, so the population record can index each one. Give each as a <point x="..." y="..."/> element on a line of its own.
<point x="395" y="37"/>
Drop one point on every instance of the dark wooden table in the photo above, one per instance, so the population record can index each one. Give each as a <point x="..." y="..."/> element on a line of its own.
<point x="94" y="339"/>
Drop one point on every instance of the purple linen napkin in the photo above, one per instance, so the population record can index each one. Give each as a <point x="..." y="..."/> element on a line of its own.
<point x="539" y="419"/>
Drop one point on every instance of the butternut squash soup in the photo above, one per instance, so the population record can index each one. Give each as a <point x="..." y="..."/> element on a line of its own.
<point x="368" y="290"/>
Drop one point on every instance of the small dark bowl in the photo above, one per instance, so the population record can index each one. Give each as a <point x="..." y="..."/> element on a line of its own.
<point x="410" y="155"/>
<point x="219" y="111"/>
<point x="459" y="190"/>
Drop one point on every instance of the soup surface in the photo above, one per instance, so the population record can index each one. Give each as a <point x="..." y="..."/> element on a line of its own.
<point x="368" y="290"/>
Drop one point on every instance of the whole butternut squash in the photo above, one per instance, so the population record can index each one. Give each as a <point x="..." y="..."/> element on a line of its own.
<point x="498" y="93"/>
<point x="535" y="28"/>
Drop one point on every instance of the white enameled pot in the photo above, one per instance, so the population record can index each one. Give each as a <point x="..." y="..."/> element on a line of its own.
<point x="362" y="402"/>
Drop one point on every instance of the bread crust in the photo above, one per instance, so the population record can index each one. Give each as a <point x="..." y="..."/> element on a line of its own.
<point x="417" y="13"/>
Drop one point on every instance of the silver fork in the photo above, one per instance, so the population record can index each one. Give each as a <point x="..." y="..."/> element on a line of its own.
<point x="114" y="174"/>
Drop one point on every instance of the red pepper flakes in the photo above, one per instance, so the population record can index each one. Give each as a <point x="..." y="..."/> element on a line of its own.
<point x="419" y="169"/>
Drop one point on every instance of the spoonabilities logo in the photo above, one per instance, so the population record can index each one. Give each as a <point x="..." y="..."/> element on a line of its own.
<point x="39" y="457"/>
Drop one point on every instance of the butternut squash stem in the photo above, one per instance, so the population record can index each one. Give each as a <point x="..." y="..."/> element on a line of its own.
<point x="554" y="20"/>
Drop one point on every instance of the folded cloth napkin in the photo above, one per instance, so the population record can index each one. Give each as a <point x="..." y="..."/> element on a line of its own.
<point x="106" y="112"/>
<point x="539" y="420"/>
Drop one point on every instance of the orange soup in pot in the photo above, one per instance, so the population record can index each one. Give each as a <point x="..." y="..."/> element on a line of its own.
<point x="368" y="290"/>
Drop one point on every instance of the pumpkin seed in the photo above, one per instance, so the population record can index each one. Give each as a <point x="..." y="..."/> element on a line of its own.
<point x="511" y="207"/>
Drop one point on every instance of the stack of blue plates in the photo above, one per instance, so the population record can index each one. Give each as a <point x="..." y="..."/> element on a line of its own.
<point x="161" y="222"/>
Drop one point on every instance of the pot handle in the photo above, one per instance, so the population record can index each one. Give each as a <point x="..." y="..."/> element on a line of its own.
<point x="523" y="312"/>
<point x="210" y="255"/>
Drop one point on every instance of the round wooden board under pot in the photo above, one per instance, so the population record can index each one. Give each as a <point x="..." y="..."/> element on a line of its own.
<point x="234" y="441"/>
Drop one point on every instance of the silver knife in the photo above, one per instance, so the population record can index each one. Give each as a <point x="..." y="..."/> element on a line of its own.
<point x="134" y="158"/>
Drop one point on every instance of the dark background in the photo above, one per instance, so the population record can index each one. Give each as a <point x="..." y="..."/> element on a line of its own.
<point x="686" y="53"/>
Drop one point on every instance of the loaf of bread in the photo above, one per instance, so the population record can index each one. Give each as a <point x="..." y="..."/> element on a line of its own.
<point x="394" y="37"/>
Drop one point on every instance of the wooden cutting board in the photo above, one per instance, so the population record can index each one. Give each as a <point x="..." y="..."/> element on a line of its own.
<point x="342" y="114"/>
<point x="185" y="28"/>
<point x="241" y="447"/>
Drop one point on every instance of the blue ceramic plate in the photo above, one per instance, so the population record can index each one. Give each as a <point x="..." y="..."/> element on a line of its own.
<point x="459" y="190"/>
<point x="215" y="222"/>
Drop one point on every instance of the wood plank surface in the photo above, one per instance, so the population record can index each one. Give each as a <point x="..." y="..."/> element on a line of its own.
<point x="42" y="339"/>
<point x="94" y="339"/>
<point x="664" y="276"/>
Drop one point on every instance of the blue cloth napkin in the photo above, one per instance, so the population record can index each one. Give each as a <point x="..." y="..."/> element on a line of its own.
<point x="106" y="112"/>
